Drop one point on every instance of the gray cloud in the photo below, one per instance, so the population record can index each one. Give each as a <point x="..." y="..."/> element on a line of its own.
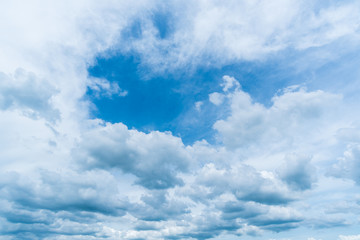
<point x="298" y="172"/>
<point x="158" y="207"/>
<point x="26" y="92"/>
<point x="58" y="204"/>
<point x="240" y="209"/>
<point x="245" y="183"/>
<point x="155" y="158"/>
<point x="53" y="195"/>
<point x="274" y="218"/>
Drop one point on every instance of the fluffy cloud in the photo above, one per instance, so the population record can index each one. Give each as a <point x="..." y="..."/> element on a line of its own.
<point x="63" y="203"/>
<point x="155" y="158"/>
<point x="245" y="183"/>
<point x="291" y="113"/>
<point x="67" y="177"/>
<point x="89" y="192"/>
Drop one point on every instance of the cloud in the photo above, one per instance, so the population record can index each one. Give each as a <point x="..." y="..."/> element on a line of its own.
<point x="274" y="218"/>
<point x="58" y="203"/>
<point x="102" y="87"/>
<point x="198" y="105"/>
<point x="216" y="98"/>
<point x="330" y="24"/>
<point x="229" y="82"/>
<point x="26" y="92"/>
<point x="284" y="123"/>
<point x="158" y="207"/>
<point x="63" y="192"/>
<point x="213" y="33"/>
<point x="349" y="237"/>
<point x="67" y="177"/>
<point x="328" y="222"/>
<point x="298" y="172"/>
<point x="278" y="219"/>
<point x="245" y="183"/>
<point x="155" y="158"/>
<point x="348" y="165"/>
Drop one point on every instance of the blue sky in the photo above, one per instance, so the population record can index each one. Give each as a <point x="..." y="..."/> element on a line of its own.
<point x="180" y="120"/>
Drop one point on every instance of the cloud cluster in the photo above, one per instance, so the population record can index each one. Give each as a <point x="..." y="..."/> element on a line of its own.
<point x="155" y="158"/>
<point x="57" y="203"/>
<point x="154" y="182"/>
<point x="217" y="33"/>
<point x="64" y="176"/>
<point x="284" y="123"/>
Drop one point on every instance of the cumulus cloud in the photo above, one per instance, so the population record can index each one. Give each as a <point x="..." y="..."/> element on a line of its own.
<point x="66" y="192"/>
<point x="291" y="113"/>
<point x="298" y="172"/>
<point x="57" y="203"/>
<point x="259" y="216"/>
<point x="67" y="177"/>
<point x="155" y="158"/>
<point x="158" y="207"/>
<point x="245" y="183"/>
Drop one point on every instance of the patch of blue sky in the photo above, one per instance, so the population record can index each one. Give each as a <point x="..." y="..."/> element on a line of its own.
<point x="159" y="103"/>
<point x="166" y="101"/>
<point x="163" y="22"/>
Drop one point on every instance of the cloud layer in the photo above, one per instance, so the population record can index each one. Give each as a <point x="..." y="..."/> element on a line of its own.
<point x="273" y="167"/>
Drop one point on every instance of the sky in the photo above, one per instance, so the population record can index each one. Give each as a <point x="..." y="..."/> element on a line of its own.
<point x="180" y="120"/>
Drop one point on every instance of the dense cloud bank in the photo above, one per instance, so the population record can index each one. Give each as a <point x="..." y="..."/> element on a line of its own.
<point x="293" y="163"/>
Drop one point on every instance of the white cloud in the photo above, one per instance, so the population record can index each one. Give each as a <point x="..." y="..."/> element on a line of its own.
<point x="218" y="33"/>
<point x="198" y="105"/>
<point x="102" y="87"/>
<point x="229" y="82"/>
<point x="349" y="237"/>
<point x="155" y="158"/>
<point x="127" y="177"/>
<point x="290" y="120"/>
<point x="25" y="92"/>
<point x="216" y="98"/>
<point x="348" y="166"/>
<point x="330" y="24"/>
